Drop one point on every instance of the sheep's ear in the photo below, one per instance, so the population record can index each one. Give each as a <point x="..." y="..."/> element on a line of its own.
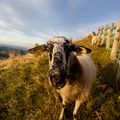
<point x="36" y="48"/>
<point x="79" y="49"/>
<point x="44" y="47"/>
<point x="84" y="50"/>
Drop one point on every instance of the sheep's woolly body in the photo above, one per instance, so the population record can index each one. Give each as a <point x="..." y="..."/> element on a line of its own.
<point x="96" y="41"/>
<point x="71" y="92"/>
<point x="76" y="73"/>
<point x="71" y="75"/>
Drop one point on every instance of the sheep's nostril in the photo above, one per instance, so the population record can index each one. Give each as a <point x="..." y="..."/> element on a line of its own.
<point x="54" y="72"/>
<point x="54" y="75"/>
<point x="51" y="72"/>
<point x="56" y="78"/>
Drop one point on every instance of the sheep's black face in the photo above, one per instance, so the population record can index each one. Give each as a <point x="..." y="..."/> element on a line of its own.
<point x="57" y="48"/>
<point x="57" y="77"/>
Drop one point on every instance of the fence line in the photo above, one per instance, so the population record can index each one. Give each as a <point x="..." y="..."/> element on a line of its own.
<point x="110" y="36"/>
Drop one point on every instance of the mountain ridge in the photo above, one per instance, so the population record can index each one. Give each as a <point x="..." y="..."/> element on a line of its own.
<point x="11" y="51"/>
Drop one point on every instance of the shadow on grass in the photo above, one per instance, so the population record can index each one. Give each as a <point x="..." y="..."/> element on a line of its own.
<point x="107" y="75"/>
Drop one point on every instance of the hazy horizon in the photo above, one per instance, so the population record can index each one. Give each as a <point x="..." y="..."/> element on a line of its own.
<point x="26" y="22"/>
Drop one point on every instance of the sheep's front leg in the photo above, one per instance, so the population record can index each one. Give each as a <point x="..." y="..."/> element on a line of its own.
<point x="77" y="105"/>
<point x="62" y="111"/>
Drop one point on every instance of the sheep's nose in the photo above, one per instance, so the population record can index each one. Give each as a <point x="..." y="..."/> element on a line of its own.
<point x="54" y="74"/>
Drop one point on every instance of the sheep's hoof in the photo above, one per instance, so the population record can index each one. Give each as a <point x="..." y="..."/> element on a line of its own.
<point x="74" y="117"/>
<point x="60" y="118"/>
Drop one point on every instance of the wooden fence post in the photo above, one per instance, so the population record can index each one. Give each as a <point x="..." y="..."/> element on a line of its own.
<point x="110" y="37"/>
<point x="116" y="42"/>
<point x="100" y="31"/>
<point x="104" y="34"/>
<point x="117" y="68"/>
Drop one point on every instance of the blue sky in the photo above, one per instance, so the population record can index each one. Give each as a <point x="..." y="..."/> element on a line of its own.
<point x="26" y="22"/>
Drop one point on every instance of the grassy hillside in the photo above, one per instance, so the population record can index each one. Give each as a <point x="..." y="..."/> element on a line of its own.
<point x="26" y="95"/>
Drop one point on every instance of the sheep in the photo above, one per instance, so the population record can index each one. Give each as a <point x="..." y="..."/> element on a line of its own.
<point x="88" y="36"/>
<point x="96" y="40"/>
<point x="71" y="75"/>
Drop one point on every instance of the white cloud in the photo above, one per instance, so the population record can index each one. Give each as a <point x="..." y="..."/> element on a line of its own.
<point x="8" y="28"/>
<point x="3" y="25"/>
<point x="25" y="22"/>
<point x="6" y="9"/>
<point x="76" y="3"/>
<point x="18" y="42"/>
<point x="16" y="17"/>
<point x="43" y="7"/>
<point x="89" y="28"/>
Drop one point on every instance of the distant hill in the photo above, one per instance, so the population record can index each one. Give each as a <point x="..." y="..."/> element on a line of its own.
<point x="11" y="51"/>
<point x="8" y="47"/>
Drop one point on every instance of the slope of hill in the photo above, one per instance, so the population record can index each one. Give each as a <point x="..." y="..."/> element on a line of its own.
<point x="26" y="95"/>
<point x="12" y="52"/>
<point x="8" y="47"/>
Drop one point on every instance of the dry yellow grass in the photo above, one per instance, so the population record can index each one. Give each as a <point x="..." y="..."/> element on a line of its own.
<point x="11" y="62"/>
<point x="26" y="95"/>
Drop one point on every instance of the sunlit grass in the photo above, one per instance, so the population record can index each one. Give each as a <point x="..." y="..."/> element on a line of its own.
<point x="26" y="95"/>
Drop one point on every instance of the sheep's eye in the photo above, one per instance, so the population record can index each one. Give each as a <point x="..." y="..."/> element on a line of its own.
<point x="65" y="46"/>
<point x="50" y="56"/>
<point x="67" y="41"/>
<point x="50" y="51"/>
<point x="49" y="48"/>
